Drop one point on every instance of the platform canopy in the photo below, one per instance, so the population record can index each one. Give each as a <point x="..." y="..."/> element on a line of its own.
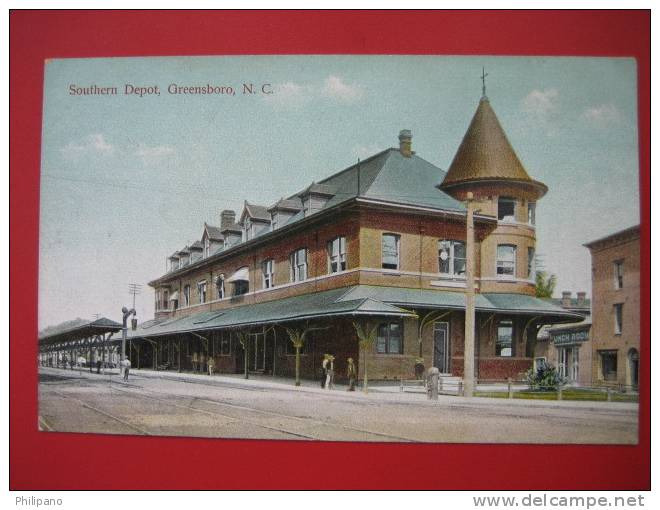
<point x="350" y="302"/>
<point x="80" y="331"/>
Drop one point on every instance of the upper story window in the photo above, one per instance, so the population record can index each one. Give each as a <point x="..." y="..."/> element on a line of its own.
<point x="390" y="338"/>
<point x="166" y="299"/>
<point x="451" y="257"/>
<point x="186" y="295"/>
<point x="618" y="274"/>
<point x="274" y="221"/>
<point x="337" y="255"/>
<point x="504" y="343"/>
<point x="506" y="261"/>
<point x="174" y="264"/>
<point x="157" y="300"/>
<point x="531" y="213"/>
<point x="220" y="286"/>
<point x="247" y="229"/>
<point x="506" y="209"/>
<point x="531" y="264"/>
<point x="298" y="263"/>
<point x="207" y="247"/>
<point x="390" y="251"/>
<point x="241" y="287"/>
<point x="201" y="290"/>
<point x="268" y="268"/>
<point x="618" y="318"/>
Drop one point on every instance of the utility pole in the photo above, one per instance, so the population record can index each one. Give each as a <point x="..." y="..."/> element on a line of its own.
<point x="126" y="313"/>
<point x="134" y="289"/>
<point x="468" y="354"/>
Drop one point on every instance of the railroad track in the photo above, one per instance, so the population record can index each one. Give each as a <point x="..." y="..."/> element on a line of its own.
<point x="151" y="395"/>
<point x="135" y="428"/>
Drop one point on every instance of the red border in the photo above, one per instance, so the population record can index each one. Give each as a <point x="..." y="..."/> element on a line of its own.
<point x="71" y="461"/>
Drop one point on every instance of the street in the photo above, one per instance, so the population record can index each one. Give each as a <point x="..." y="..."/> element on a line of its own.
<point x="72" y="401"/>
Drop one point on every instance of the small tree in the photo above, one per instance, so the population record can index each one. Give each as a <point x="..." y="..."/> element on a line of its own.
<point x="545" y="284"/>
<point x="297" y="337"/>
<point x="243" y="337"/>
<point x="366" y="337"/>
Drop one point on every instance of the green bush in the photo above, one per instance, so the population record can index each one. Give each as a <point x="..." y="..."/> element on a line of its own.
<point x="545" y="378"/>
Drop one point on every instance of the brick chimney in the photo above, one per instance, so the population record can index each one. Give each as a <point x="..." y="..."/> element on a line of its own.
<point x="566" y="299"/>
<point x="227" y="218"/>
<point x="582" y="299"/>
<point x="405" y="142"/>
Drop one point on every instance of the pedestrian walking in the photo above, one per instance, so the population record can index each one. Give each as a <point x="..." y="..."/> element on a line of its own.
<point x="98" y="366"/>
<point x="351" y="373"/>
<point x="330" y="375"/>
<point x="194" y="361"/>
<point x="127" y="365"/>
<point x="211" y="365"/>
<point x="202" y="362"/>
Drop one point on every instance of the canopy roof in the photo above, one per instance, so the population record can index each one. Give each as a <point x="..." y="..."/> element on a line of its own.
<point x="85" y="330"/>
<point x="309" y="306"/>
<point x="365" y="300"/>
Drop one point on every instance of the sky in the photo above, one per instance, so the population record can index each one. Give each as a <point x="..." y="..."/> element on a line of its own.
<point x="128" y="180"/>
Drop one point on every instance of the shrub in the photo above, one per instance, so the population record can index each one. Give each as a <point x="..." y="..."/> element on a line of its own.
<point x="545" y="378"/>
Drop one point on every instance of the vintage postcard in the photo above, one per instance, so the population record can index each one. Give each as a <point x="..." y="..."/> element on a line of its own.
<point x="341" y="248"/>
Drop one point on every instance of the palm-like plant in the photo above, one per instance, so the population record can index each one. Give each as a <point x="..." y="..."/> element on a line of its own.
<point x="243" y="337"/>
<point x="366" y="337"/>
<point x="297" y="337"/>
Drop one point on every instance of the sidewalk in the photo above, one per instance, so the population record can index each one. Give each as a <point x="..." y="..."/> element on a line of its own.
<point x="377" y="392"/>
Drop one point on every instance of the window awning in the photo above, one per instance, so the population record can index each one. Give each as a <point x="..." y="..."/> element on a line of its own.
<point x="243" y="274"/>
<point x="174" y="296"/>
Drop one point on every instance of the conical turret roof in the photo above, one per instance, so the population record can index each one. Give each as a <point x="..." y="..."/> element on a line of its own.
<point x="485" y="154"/>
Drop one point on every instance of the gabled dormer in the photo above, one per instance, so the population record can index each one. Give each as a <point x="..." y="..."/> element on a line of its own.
<point x="314" y="197"/>
<point x="184" y="256"/>
<point x="196" y="251"/>
<point x="173" y="261"/>
<point x="283" y="210"/>
<point x="255" y="220"/>
<point x="232" y="234"/>
<point x="212" y="240"/>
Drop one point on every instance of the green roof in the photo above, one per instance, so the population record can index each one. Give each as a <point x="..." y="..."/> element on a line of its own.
<point x="320" y="304"/>
<point x="79" y="331"/>
<point x="366" y="300"/>
<point x="391" y="177"/>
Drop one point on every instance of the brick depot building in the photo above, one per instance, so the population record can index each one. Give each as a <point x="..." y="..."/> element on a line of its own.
<point x="615" y="286"/>
<point x="380" y="243"/>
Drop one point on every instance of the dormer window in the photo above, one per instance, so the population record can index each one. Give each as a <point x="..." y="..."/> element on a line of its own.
<point x="247" y="229"/>
<point x="207" y="247"/>
<point x="506" y="209"/>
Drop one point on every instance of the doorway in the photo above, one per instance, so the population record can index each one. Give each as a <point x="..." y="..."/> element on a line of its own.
<point x="633" y="366"/>
<point x="441" y="355"/>
<point x="257" y="352"/>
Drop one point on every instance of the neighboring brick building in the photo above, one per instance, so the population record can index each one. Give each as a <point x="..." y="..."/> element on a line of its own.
<point x="615" y="287"/>
<point x="381" y="242"/>
<point x="567" y="346"/>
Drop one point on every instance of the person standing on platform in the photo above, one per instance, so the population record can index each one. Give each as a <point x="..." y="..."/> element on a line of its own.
<point x="330" y="377"/>
<point x="211" y="365"/>
<point x="324" y="370"/>
<point x="127" y="366"/>
<point x="350" y="372"/>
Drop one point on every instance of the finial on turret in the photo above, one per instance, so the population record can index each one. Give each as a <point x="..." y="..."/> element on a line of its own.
<point x="483" y="83"/>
